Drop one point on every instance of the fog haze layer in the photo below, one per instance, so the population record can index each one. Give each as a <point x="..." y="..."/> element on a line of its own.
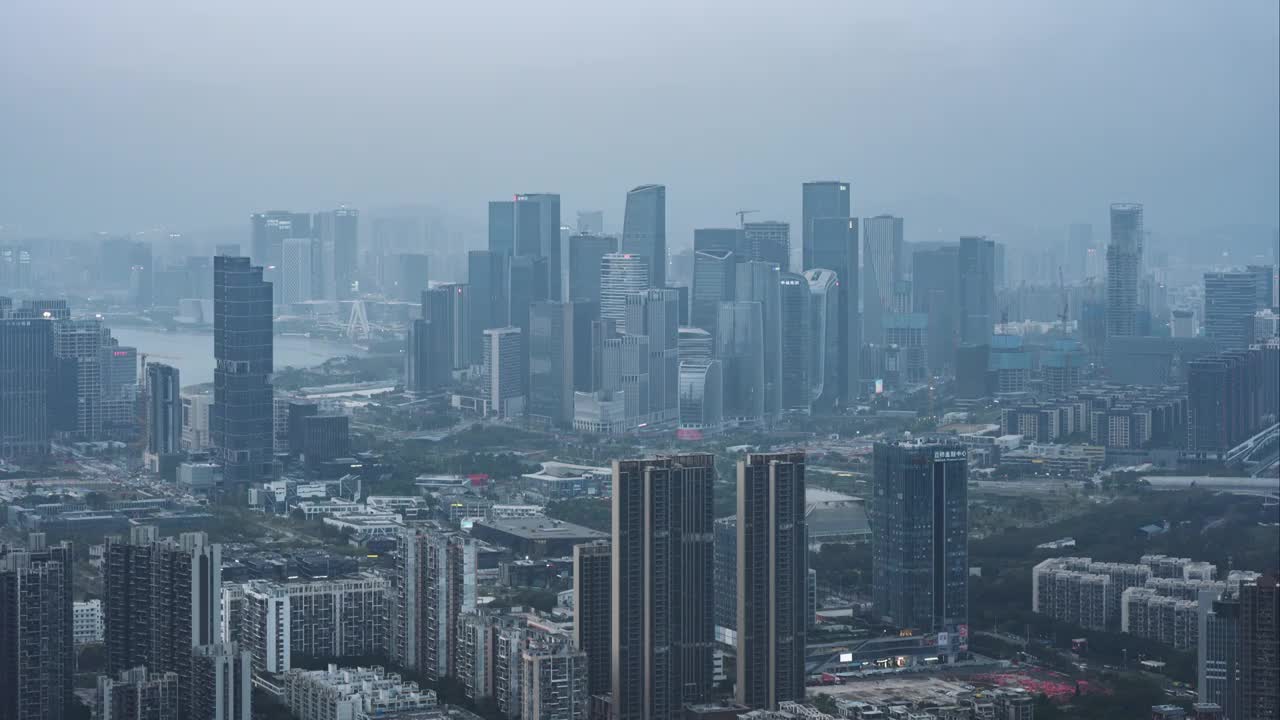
<point x="962" y="117"/>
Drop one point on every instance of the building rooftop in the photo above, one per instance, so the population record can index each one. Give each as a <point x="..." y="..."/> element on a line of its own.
<point x="542" y="528"/>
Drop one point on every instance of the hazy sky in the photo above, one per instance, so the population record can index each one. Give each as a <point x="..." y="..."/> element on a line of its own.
<point x="961" y="116"/>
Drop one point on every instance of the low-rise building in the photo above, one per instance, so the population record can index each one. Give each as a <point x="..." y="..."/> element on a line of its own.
<point x="536" y="536"/>
<point x="360" y="693"/>
<point x="86" y="622"/>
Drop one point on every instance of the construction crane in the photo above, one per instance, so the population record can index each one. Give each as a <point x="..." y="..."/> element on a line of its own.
<point x="742" y="215"/>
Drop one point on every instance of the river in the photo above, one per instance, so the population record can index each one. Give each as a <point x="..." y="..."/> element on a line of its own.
<point x="192" y="351"/>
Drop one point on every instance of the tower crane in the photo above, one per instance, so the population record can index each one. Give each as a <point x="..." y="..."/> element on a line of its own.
<point x="1062" y="288"/>
<point x="742" y="215"/>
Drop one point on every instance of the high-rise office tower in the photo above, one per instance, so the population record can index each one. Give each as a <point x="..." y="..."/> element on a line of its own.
<point x="714" y="279"/>
<point x="433" y="584"/>
<point x="625" y="367"/>
<point x="695" y="344"/>
<point x="135" y="694"/>
<point x="1259" y="684"/>
<point x="725" y="533"/>
<point x="701" y="397"/>
<point x="835" y="248"/>
<point x="760" y="282"/>
<point x="768" y="241"/>
<point x="620" y="275"/>
<point x="824" y="334"/>
<point x="551" y="362"/>
<point x="1264" y="277"/>
<point x="241" y="420"/>
<point x="268" y="231"/>
<point x="77" y="345"/>
<point x="504" y="373"/>
<point x="161" y="599"/>
<point x="548" y="241"/>
<point x="662" y="613"/>
<point x="26" y="371"/>
<point x="447" y="306"/>
<point x="585" y="253"/>
<point x="977" y="289"/>
<point x="526" y="284"/>
<point x="502" y="226"/>
<point x="1229" y="304"/>
<point x="297" y="271"/>
<point x="592" y="604"/>
<point x="773" y="577"/>
<point x="325" y="438"/>
<point x="822" y="200"/>
<point x="655" y="314"/>
<point x="426" y="362"/>
<point x="794" y="321"/>
<point x="920" y="538"/>
<point x="935" y="288"/>
<point x="341" y="228"/>
<point x="487" y="287"/>
<point x="1124" y="268"/>
<point x="882" y="268"/>
<point x="411" y="276"/>
<point x="141" y="274"/>
<point x="720" y="240"/>
<point x="590" y="222"/>
<point x="740" y="350"/>
<point x="37" y="650"/>
<point x="164" y="413"/>
<point x="1224" y="392"/>
<point x="1218" y="653"/>
<point x="644" y="230"/>
<point x="222" y="683"/>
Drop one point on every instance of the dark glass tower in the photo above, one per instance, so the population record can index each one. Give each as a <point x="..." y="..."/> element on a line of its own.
<point x="834" y="247"/>
<point x="773" y="579"/>
<point x="662" y="585"/>
<point x="920" y="537"/>
<point x="977" y="286"/>
<point x="487" y="285"/>
<point x="164" y="411"/>
<point x="1259" y="685"/>
<point x="537" y="218"/>
<point x="242" y="414"/>
<point x="591" y="607"/>
<point x="822" y="199"/>
<point x="551" y="366"/>
<point x="26" y="370"/>
<point x="1230" y="300"/>
<point x="795" y="318"/>
<point x="714" y="277"/>
<point x="935" y="291"/>
<point x="759" y="282"/>
<point x="644" y="230"/>
<point x="341" y="228"/>
<point x="37" y="651"/>
<point x="585" y="253"/>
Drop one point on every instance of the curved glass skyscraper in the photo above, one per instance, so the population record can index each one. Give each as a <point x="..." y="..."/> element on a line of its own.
<point x="644" y="229"/>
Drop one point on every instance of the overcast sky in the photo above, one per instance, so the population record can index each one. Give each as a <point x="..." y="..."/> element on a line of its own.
<point x="961" y="116"/>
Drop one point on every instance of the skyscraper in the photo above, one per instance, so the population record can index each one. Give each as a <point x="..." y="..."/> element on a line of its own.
<point x="719" y="240"/>
<point x="526" y="284"/>
<point x="882" y="268"/>
<point x="241" y="420"/>
<point x="591" y="222"/>
<point x="835" y="248"/>
<point x="644" y="230"/>
<point x="1218" y="653"/>
<point x="138" y="694"/>
<point x="432" y="585"/>
<point x="714" y="280"/>
<point x="1230" y="300"/>
<point x="701" y="397"/>
<point x="822" y="200"/>
<point x="977" y="289"/>
<point x="487" y="287"/>
<point x="449" y="305"/>
<point x="920" y="537"/>
<point x="296" y="271"/>
<point x="551" y="362"/>
<point x="585" y="252"/>
<point x="546" y="241"/>
<point x="768" y="241"/>
<point x="425" y="359"/>
<point x="773" y="577"/>
<point x="794" y="322"/>
<point x="553" y="679"/>
<point x="502" y="227"/>
<point x="504" y="373"/>
<point x="77" y="345"/>
<point x="824" y="334"/>
<point x="759" y="282"/>
<point x="222" y="683"/>
<point x="164" y="413"/>
<point x="37" y="651"/>
<point x="935" y="287"/>
<point x="1259" y="684"/>
<point x="1124" y="268"/>
<point x="341" y="228"/>
<point x="740" y="350"/>
<point x="662" y="600"/>
<point x="1224" y="392"/>
<point x="655" y="314"/>
<point x="161" y="599"/>
<point x="591" y="611"/>
<point x="1079" y="244"/>
<point x="26" y="371"/>
<point x="620" y="275"/>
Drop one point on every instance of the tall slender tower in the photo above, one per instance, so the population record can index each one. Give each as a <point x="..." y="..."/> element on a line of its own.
<point x="835" y="248"/>
<point x="37" y="654"/>
<point x="662" y="585"/>
<point x="592" y="565"/>
<point x="241" y="420"/>
<point x="920" y="538"/>
<point x="1124" y="268"/>
<point x="773" y="574"/>
<point x="164" y="413"/>
<point x="822" y="199"/>
<point x="644" y="230"/>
